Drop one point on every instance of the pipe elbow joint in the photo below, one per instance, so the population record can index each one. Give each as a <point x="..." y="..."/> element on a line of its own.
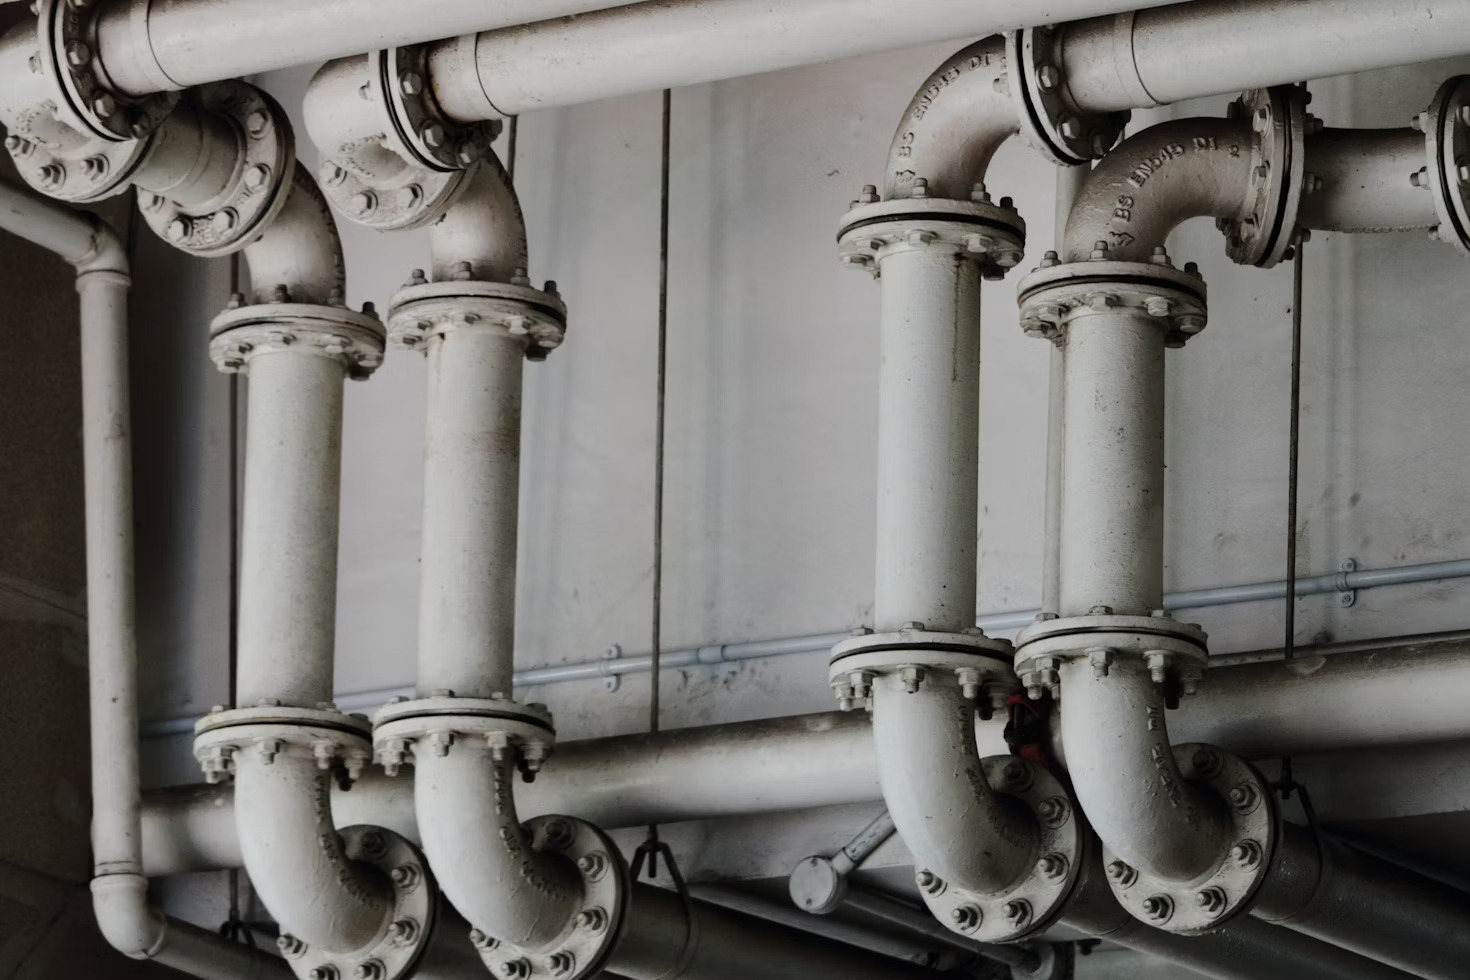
<point x="128" y="923"/>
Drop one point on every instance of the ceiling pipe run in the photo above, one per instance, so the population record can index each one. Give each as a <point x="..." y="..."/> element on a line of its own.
<point x="1190" y="833"/>
<point x="119" y="889"/>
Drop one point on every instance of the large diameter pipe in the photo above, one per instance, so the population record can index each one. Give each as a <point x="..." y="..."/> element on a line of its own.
<point x="467" y="600"/>
<point x="1113" y="496"/>
<point x="655" y="45"/>
<point x="928" y="440"/>
<point x="1367" y="905"/>
<point x="288" y="560"/>
<point x="665" y="939"/>
<point x="157" y="45"/>
<point x="1188" y="50"/>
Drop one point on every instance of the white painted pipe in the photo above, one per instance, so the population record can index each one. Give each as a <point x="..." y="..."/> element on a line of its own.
<point x="953" y="125"/>
<point x="1188" y="50"/>
<point x="119" y="889"/>
<point x="156" y="45"/>
<point x="295" y="857"/>
<point x="950" y="820"/>
<point x="657" y="45"/>
<point x="928" y="439"/>
<point x="482" y="855"/>
<point x="1365" y="182"/>
<point x="483" y="227"/>
<point x="467" y="599"/>
<point x="288" y="549"/>
<point x="298" y="253"/>
<point x="1113" y="496"/>
<point x="1153" y="182"/>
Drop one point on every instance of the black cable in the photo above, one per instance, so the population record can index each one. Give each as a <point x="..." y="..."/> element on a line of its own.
<point x="510" y="147"/>
<point x="1287" y="783"/>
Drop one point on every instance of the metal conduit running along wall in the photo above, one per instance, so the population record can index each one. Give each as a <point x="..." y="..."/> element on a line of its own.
<point x="1118" y="831"/>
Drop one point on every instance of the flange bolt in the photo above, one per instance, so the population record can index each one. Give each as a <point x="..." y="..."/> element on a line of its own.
<point x="593" y="920"/>
<point x="405" y="876"/>
<point x="1207" y="763"/>
<point x="1053" y="811"/>
<point x="403" y="931"/>
<point x="1210" y="900"/>
<point x="912" y="677"/>
<point x="1017" y="912"/>
<point x="967" y="918"/>
<point x="921" y="187"/>
<point x="1016" y="775"/>
<point x="561" y="963"/>
<point x="370" y="970"/>
<point x="1052" y="866"/>
<point x="1243" y="797"/>
<point x="869" y="194"/>
<point x="1099" y="251"/>
<point x="929" y="882"/>
<point x="1246" y="854"/>
<point x="328" y="972"/>
<point x="289" y="945"/>
<point x="592" y="865"/>
<point x="482" y="942"/>
<point x="1159" y="908"/>
<point x="1122" y="873"/>
<point x="515" y="969"/>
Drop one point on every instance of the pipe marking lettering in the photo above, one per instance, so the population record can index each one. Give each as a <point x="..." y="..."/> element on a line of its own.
<point x="1156" y="161"/>
<point x="942" y="81"/>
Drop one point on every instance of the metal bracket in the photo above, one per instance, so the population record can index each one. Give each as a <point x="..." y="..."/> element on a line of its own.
<point x="1347" y="596"/>
<point x="611" y="682"/>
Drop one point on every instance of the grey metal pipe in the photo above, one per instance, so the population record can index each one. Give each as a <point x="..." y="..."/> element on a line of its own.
<point x="1365" y="185"/>
<point x="660" y="942"/>
<point x="1188" y="50"/>
<point x="1367" y="905"/>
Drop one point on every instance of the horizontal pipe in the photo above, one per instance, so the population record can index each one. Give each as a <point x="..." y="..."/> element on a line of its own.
<point x="155" y="45"/>
<point x="1365" y="183"/>
<point x="662" y="44"/>
<point x="1189" y="50"/>
<point x="996" y="622"/>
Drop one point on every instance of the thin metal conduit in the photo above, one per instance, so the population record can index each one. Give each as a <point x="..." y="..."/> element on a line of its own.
<point x="719" y="653"/>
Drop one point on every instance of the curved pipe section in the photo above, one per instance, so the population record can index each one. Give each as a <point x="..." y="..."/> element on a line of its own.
<point x="481" y="236"/>
<point x="295" y="857"/>
<point x="481" y="854"/>
<point x="1152" y="182"/>
<point x="953" y="125"/>
<point x="299" y="254"/>
<point x="936" y="791"/>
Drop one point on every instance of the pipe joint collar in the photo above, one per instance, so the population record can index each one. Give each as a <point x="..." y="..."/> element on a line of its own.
<point x="584" y="946"/>
<point x="1446" y="127"/>
<point x="262" y="183"/>
<point x="1054" y="295"/>
<point x="1230" y="884"/>
<point x="980" y="665"/>
<point x="398" y="949"/>
<point x="1175" y="653"/>
<point x="993" y="235"/>
<point x="404" y="728"/>
<point x="128" y="923"/>
<point x="83" y="100"/>
<point x="437" y="149"/>
<point x="1033" y="903"/>
<point x="423" y="310"/>
<point x="1265" y="233"/>
<point x="1049" y="121"/>
<point x="243" y="333"/>
<point x="337" y="741"/>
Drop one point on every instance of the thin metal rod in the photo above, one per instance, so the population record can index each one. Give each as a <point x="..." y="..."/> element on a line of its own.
<point x="511" y="132"/>
<point x="1294" y="455"/>
<point x="658" y="438"/>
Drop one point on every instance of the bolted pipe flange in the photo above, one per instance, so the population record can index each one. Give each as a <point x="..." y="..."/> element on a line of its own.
<point x="1173" y="651"/>
<point x="71" y="170"/>
<point x="1278" y="117"/>
<point x="1033" y="903"/>
<point x="1049" y="120"/>
<point x="436" y="724"/>
<point x="1446" y="126"/>
<point x="263" y="180"/>
<point x="332" y="738"/>
<point x="583" y="948"/>
<point x="241" y="334"/>
<point x="418" y="130"/>
<point x="1210" y="899"/>
<point x="980" y="664"/>
<point x="421" y="311"/>
<point x="398" y="950"/>
<point x="68" y="33"/>
<point x="1053" y="295"/>
<point x="993" y="234"/>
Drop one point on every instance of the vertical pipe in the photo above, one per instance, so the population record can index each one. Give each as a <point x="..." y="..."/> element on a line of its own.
<point x="1113" y="496"/>
<point x="1069" y="182"/>
<point x="471" y="506"/>
<point x="928" y="440"/>
<point x="111" y="615"/>
<point x="288" y="560"/>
